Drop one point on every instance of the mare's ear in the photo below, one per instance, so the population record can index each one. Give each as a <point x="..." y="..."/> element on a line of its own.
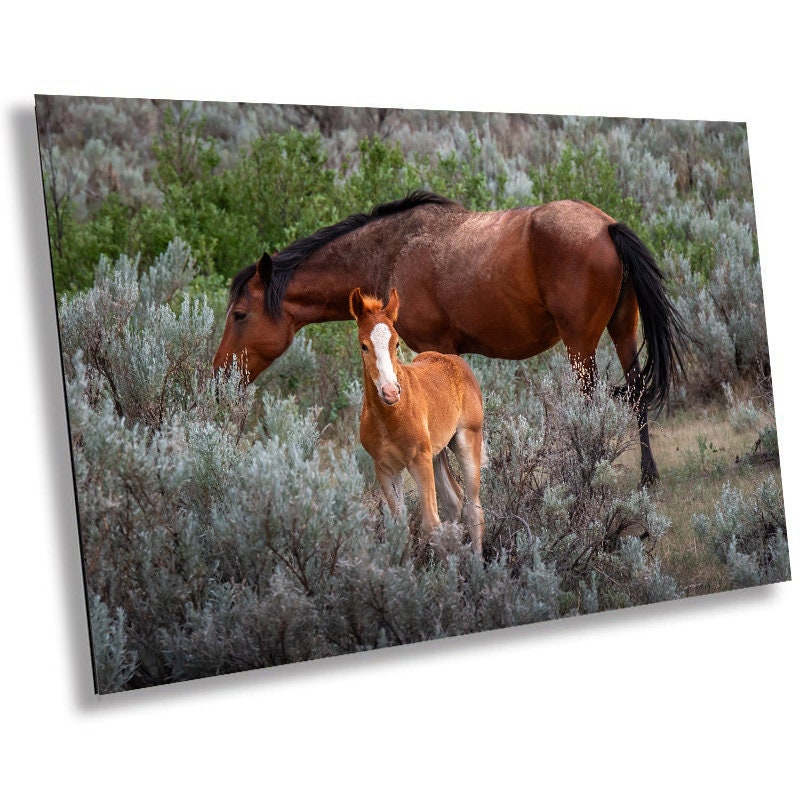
<point x="264" y="267"/>
<point x="356" y="303"/>
<point x="393" y="306"/>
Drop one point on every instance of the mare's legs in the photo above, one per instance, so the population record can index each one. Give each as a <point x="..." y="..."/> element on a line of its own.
<point x="585" y="369"/>
<point x="583" y="297"/>
<point x="581" y="346"/>
<point x="581" y="340"/>
<point x="623" y="327"/>
<point x="450" y="494"/>
<point x="468" y="447"/>
<point x="633" y="378"/>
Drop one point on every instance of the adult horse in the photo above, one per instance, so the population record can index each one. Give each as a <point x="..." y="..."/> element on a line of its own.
<point x="506" y="284"/>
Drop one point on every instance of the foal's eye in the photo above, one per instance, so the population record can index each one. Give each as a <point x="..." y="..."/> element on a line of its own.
<point x="364" y="348"/>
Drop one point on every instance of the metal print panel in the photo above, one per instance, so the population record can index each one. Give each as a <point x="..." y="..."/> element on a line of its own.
<point x="345" y="378"/>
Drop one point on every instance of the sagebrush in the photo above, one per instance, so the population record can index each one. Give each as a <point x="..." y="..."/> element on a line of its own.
<point x="225" y="529"/>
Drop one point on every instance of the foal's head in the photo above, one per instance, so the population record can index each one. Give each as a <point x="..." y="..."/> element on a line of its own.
<point x="379" y="341"/>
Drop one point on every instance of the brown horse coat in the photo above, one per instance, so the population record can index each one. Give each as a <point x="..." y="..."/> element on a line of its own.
<point x="411" y="413"/>
<point x="506" y="284"/>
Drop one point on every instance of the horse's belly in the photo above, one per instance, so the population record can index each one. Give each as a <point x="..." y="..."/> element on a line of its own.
<point x="510" y="341"/>
<point x="442" y="439"/>
<point x="498" y="313"/>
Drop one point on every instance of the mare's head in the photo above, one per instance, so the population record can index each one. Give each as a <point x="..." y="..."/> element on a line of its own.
<point x="255" y="333"/>
<point x="379" y="341"/>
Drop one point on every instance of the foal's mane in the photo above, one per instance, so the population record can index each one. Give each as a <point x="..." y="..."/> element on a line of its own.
<point x="288" y="260"/>
<point x="372" y="305"/>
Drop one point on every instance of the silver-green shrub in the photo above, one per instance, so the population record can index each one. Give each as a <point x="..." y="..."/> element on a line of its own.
<point x="148" y="356"/>
<point x="743" y="415"/>
<point x="224" y="530"/>
<point x="748" y="535"/>
<point x="724" y="310"/>
<point x="298" y="366"/>
<point x="645" y="177"/>
<point x="552" y="491"/>
<point x="281" y="422"/>
<point x="115" y="662"/>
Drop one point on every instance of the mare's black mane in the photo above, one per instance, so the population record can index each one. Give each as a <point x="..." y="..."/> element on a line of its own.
<point x="286" y="262"/>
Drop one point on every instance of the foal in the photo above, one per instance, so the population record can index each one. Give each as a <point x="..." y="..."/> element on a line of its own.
<point x="412" y="412"/>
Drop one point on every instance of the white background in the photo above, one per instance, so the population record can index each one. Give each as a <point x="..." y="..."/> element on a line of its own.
<point x="688" y="699"/>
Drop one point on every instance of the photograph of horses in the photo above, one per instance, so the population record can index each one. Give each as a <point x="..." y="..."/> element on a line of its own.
<point x="339" y="379"/>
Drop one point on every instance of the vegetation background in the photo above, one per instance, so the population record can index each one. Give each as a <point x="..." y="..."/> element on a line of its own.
<point x="225" y="535"/>
<point x="745" y="631"/>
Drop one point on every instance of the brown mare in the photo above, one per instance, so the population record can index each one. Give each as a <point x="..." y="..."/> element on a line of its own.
<point x="411" y="413"/>
<point x="506" y="284"/>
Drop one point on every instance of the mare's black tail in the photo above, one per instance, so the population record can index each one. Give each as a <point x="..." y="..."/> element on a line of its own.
<point x="664" y="332"/>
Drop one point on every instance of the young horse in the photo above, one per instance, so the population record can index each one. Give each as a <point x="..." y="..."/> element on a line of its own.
<point x="506" y="284"/>
<point x="412" y="413"/>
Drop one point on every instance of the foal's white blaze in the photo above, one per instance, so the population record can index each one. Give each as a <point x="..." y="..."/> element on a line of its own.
<point x="380" y="337"/>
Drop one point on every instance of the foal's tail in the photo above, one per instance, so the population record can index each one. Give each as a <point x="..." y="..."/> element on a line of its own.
<point x="664" y="332"/>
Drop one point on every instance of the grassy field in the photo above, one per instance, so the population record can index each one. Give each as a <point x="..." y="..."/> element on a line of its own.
<point x="699" y="450"/>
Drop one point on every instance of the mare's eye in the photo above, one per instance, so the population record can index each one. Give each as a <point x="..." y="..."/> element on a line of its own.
<point x="239" y="315"/>
<point x="364" y="348"/>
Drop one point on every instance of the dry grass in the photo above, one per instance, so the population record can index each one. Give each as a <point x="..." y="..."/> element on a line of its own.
<point x="698" y="452"/>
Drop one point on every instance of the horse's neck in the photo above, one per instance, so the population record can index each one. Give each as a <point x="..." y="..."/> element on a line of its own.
<point x="320" y="289"/>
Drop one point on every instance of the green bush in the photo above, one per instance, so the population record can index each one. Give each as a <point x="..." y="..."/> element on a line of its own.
<point x="585" y="175"/>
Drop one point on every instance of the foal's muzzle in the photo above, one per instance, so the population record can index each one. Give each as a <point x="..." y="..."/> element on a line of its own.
<point x="390" y="393"/>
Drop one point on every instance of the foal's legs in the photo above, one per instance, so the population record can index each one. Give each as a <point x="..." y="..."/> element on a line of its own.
<point x="392" y="487"/>
<point x="468" y="447"/>
<point x="421" y="469"/>
<point x="450" y="494"/>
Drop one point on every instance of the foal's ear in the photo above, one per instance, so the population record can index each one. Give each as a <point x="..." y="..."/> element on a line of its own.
<point x="356" y="303"/>
<point x="264" y="267"/>
<point x="393" y="306"/>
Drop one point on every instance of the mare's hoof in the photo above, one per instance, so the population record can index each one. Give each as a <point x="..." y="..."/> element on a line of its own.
<point x="649" y="479"/>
